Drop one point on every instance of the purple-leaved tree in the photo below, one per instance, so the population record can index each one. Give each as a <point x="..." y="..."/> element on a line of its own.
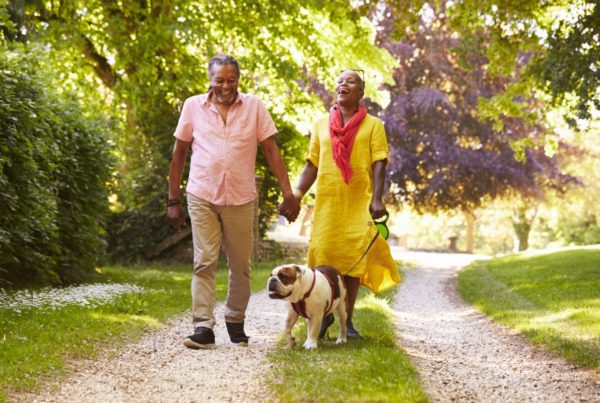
<point x="444" y="154"/>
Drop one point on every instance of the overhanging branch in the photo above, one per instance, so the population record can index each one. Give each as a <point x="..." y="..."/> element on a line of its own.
<point x="101" y="66"/>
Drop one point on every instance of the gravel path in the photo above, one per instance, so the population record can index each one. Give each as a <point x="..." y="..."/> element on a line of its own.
<point x="460" y="355"/>
<point x="160" y="368"/>
<point x="463" y="357"/>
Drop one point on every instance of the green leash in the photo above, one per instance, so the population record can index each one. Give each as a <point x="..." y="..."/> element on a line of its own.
<point x="382" y="230"/>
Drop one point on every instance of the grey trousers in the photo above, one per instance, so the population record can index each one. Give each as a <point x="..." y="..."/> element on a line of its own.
<point x="213" y="227"/>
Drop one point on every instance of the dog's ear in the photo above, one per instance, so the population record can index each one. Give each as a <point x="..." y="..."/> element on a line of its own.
<point x="288" y="274"/>
<point x="297" y="268"/>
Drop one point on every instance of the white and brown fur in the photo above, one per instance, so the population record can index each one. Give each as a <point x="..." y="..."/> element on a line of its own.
<point x="291" y="282"/>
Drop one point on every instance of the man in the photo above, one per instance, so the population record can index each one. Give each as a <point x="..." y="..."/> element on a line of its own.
<point x="224" y="128"/>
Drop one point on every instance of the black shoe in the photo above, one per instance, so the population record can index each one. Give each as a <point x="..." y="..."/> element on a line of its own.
<point x="203" y="337"/>
<point x="236" y="333"/>
<point x="352" y="333"/>
<point x="327" y="321"/>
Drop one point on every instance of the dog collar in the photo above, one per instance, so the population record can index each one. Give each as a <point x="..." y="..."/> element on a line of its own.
<point x="300" y="306"/>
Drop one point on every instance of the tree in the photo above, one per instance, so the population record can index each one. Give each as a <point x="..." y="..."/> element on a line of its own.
<point x="449" y="150"/>
<point x="571" y="64"/>
<point x="560" y="37"/>
<point x="153" y="55"/>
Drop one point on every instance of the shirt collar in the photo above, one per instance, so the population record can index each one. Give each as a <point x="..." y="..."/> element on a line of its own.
<point x="205" y="97"/>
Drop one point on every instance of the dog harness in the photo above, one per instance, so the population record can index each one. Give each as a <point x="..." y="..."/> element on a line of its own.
<point x="300" y="306"/>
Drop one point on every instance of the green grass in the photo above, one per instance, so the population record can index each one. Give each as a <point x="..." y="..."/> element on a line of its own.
<point x="35" y="344"/>
<point x="552" y="298"/>
<point x="369" y="369"/>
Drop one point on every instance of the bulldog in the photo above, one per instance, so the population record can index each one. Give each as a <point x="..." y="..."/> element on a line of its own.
<point x="312" y="294"/>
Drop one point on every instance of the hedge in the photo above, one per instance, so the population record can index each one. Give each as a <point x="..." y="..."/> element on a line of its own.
<point x="55" y="163"/>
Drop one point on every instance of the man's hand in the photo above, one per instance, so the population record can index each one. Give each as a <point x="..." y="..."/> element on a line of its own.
<point x="289" y="208"/>
<point x="377" y="209"/>
<point x="176" y="216"/>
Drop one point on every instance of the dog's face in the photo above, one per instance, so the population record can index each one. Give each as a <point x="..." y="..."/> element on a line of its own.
<point x="283" y="281"/>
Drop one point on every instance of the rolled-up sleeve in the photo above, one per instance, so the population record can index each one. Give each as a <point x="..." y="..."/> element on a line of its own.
<point x="314" y="147"/>
<point x="185" y="127"/>
<point x="265" y="125"/>
<point x="379" y="146"/>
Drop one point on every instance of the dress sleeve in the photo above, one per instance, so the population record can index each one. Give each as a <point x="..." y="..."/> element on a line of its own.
<point x="379" y="146"/>
<point x="185" y="127"/>
<point x="314" y="148"/>
<point x="265" y="125"/>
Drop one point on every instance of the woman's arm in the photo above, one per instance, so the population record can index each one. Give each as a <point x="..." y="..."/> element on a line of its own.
<point x="290" y="207"/>
<point x="377" y="207"/>
<point x="307" y="178"/>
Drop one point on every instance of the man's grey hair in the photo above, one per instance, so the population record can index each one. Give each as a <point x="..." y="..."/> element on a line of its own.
<point x="221" y="60"/>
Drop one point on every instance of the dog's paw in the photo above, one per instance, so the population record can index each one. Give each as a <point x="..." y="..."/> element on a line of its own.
<point x="291" y="342"/>
<point x="309" y="345"/>
<point x="340" y="340"/>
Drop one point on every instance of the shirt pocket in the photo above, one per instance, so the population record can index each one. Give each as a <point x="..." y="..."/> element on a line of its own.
<point x="242" y="136"/>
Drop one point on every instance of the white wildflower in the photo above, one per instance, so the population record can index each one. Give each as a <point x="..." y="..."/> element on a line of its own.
<point x="53" y="298"/>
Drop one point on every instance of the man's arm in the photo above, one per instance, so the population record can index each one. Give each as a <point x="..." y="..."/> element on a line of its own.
<point x="290" y="207"/>
<point x="377" y="208"/>
<point x="175" y="214"/>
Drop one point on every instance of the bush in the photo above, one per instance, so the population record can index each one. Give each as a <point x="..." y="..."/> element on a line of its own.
<point x="55" y="163"/>
<point x="132" y="233"/>
<point x="582" y="230"/>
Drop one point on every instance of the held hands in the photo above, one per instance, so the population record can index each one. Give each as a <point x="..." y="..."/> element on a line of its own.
<point x="289" y="208"/>
<point x="175" y="216"/>
<point x="377" y="209"/>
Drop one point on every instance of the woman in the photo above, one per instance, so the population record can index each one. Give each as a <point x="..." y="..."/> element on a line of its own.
<point x="347" y="157"/>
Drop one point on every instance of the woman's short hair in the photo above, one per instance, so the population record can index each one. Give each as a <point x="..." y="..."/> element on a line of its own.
<point x="360" y="74"/>
<point x="221" y="60"/>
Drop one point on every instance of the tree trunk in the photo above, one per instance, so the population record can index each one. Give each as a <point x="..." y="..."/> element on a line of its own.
<point x="523" y="239"/>
<point x="470" y="219"/>
<point x="522" y="224"/>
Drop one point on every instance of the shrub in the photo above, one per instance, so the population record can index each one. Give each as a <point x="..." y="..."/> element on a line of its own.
<point x="55" y="162"/>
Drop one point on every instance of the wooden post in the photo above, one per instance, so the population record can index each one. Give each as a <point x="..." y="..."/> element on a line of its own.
<point x="452" y="246"/>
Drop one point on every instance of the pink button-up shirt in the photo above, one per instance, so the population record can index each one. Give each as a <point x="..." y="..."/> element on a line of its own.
<point x="224" y="156"/>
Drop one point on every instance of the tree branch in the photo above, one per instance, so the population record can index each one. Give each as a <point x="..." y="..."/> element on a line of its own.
<point x="101" y="66"/>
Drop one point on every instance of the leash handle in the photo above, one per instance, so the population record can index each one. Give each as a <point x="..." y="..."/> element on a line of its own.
<point x="381" y="224"/>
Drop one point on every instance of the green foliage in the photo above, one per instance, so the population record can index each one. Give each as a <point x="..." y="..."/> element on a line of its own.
<point x="552" y="298"/>
<point x="583" y="229"/>
<point x="556" y="39"/>
<point x="150" y="58"/>
<point x="577" y="215"/>
<point x="572" y="62"/>
<point x="131" y="233"/>
<point x="54" y="165"/>
<point x="292" y="153"/>
<point x="6" y="25"/>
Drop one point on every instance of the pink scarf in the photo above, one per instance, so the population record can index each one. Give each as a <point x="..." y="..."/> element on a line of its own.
<point x="342" y="138"/>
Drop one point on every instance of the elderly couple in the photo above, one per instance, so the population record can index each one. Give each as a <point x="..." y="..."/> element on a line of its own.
<point x="347" y="157"/>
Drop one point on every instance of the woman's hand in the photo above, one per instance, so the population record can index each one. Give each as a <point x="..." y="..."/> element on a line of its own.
<point x="289" y="208"/>
<point x="377" y="209"/>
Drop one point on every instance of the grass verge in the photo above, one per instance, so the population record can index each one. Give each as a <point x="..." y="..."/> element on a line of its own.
<point x="35" y="344"/>
<point x="370" y="369"/>
<point x="552" y="298"/>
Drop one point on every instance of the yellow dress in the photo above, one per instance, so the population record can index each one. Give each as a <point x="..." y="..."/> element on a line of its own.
<point x="342" y="225"/>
